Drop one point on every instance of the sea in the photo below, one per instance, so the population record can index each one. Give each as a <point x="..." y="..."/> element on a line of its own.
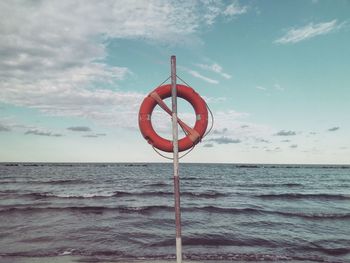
<point x="125" y="211"/>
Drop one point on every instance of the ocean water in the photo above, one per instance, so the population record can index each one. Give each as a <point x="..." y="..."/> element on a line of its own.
<point x="125" y="211"/>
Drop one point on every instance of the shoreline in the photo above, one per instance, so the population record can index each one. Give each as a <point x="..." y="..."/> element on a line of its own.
<point x="79" y="259"/>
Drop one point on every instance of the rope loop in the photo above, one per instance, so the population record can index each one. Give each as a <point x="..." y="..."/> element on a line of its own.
<point x="186" y="131"/>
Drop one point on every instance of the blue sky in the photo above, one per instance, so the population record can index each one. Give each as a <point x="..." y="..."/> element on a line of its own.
<point x="274" y="73"/>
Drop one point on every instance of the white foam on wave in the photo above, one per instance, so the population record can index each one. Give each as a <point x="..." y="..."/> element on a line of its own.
<point x="66" y="252"/>
<point x="86" y="195"/>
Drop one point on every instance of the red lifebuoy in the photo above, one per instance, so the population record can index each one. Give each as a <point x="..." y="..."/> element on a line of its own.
<point x="194" y="135"/>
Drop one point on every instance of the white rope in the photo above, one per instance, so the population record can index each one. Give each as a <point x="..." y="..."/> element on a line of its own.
<point x="211" y="126"/>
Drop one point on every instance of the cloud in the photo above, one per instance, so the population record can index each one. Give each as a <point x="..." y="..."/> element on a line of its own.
<point x="235" y="124"/>
<point x="278" y="87"/>
<point x="293" y="146"/>
<point x="285" y="133"/>
<point x="196" y="74"/>
<point x="215" y="67"/>
<point x="42" y="133"/>
<point x="262" y="140"/>
<point x="79" y="128"/>
<point x="276" y="149"/>
<point x="9" y="124"/>
<point x="208" y="145"/>
<point x="94" y="135"/>
<point x="235" y="9"/>
<point x="214" y="99"/>
<point x="311" y="30"/>
<point x="4" y="128"/>
<point x="90" y="136"/>
<point x="333" y="129"/>
<point x="52" y="58"/>
<point x="218" y="132"/>
<point x="214" y="9"/>
<point x="224" y="140"/>
<point x="285" y="141"/>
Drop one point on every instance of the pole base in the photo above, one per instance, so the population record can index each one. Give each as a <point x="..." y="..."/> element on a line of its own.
<point x="178" y="250"/>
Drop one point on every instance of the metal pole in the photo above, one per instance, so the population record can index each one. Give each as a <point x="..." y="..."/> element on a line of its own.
<point x="176" y="161"/>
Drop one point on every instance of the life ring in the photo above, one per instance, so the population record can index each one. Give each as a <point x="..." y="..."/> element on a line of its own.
<point x="194" y="135"/>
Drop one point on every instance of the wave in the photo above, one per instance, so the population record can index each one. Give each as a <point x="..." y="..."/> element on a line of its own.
<point x="50" y="182"/>
<point x="157" y="184"/>
<point x="328" y="247"/>
<point x="8" y="181"/>
<point x="341" y="251"/>
<point x="97" y="256"/>
<point x="118" y="256"/>
<point x="87" y="209"/>
<point x="65" y="181"/>
<point x="7" y="192"/>
<point x="271" y="185"/>
<point x="156" y="208"/>
<point x="216" y="209"/>
<point x="292" y="196"/>
<point x="64" y="252"/>
<point x="67" y="196"/>
<point x="247" y="257"/>
<point x="48" y="195"/>
<point x="314" y="216"/>
<point x="311" y="216"/>
<point x="209" y="194"/>
<point x="217" y="240"/>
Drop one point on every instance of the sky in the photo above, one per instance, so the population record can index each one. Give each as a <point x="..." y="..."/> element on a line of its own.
<point x="275" y="74"/>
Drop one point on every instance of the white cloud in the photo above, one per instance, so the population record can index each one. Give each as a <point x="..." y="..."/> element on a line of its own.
<point x="231" y="124"/>
<point x="213" y="9"/>
<point x="52" y="53"/>
<point x="311" y="30"/>
<point x="214" y="99"/>
<point x="234" y="124"/>
<point x="278" y="87"/>
<point x="260" y="88"/>
<point x="196" y="74"/>
<point x="200" y="76"/>
<point x="235" y="9"/>
<point x="215" y="67"/>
